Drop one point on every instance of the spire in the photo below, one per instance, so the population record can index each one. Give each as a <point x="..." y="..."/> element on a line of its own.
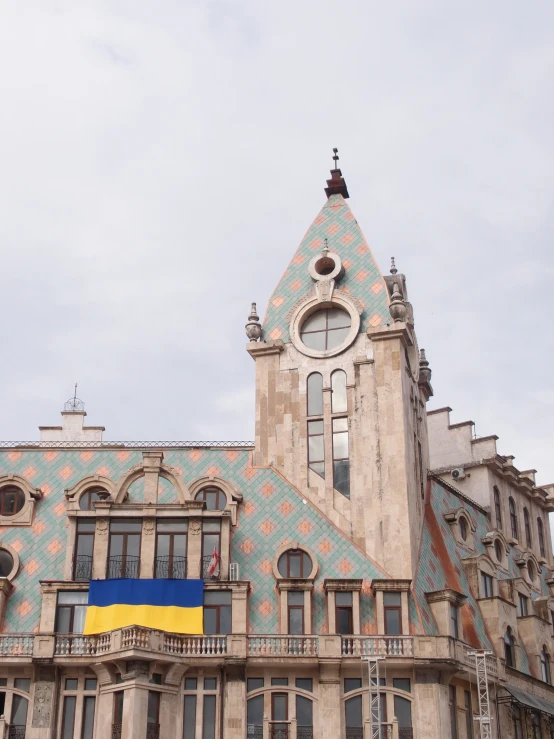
<point x="336" y="185"/>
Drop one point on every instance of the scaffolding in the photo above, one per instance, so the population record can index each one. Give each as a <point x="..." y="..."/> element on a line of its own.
<point x="485" y="716"/>
<point x="374" y="697"/>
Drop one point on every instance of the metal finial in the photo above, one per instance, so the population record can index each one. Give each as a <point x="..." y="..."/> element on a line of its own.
<point x="74" y="403"/>
<point x="326" y="246"/>
<point x="393" y="269"/>
<point x="336" y="158"/>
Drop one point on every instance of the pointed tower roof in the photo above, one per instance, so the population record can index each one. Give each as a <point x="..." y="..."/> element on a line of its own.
<point x="362" y="280"/>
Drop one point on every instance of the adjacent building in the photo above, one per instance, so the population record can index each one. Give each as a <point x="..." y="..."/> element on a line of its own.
<point x="380" y="572"/>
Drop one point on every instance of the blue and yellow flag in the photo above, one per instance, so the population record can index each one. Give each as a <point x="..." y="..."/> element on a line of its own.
<point x="167" y="605"/>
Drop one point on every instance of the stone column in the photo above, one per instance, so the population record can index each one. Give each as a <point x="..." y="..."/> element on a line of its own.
<point x="170" y="712"/>
<point x="431" y="711"/>
<point x="135" y="702"/>
<point x="151" y="462"/>
<point x="100" y="552"/>
<point x="234" y="702"/>
<point x="44" y="705"/>
<point x="329" y="698"/>
<point x="148" y="548"/>
<point x="194" y="548"/>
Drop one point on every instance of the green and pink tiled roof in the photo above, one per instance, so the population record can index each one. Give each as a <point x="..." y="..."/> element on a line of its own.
<point x="362" y="279"/>
<point x="271" y="513"/>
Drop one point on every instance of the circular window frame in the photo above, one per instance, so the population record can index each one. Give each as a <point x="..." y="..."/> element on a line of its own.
<point x="286" y="548"/>
<point x="16" y="562"/>
<point x="310" y="306"/>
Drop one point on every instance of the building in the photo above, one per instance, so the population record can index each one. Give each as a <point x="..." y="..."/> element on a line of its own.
<point x="358" y="536"/>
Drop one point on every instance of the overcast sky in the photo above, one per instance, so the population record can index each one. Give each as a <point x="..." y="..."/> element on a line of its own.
<point x="162" y="161"/>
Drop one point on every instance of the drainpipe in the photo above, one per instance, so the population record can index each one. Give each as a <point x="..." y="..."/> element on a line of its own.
<point x="221" y="703"/>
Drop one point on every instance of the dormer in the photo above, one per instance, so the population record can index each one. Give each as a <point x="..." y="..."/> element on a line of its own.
<point x="497" y="548"/>
<point x="462" y="526"/>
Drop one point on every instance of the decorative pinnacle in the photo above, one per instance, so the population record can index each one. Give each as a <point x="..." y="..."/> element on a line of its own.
<point x="326" y="247"/>
<point x="74" y="404"/>
<point x="253" y="328"/>
<point x="336" y="157"/>
<point x="393" y="269"/>
<point x="336" y="185"/>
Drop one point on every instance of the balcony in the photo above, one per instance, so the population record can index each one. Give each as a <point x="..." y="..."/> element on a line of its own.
<point x="377" y="646"/>
<point x="282" y="646"/>
<point x="116" y="731"/>
<point x="123" y="567"/>
<point x="216" y="575"/>
<point x="82" y="568"/>
<point x="172" y="568"/>
<point x="16" y="645"/>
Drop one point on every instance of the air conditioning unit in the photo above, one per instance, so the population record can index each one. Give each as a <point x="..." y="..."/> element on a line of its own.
<point x="234" y="573"/>
<point x="458" y="473"/>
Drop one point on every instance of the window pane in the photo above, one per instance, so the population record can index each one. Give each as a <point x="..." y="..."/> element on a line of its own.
<point x="63" y="619"/>
<point x="118" y="706"/>
<point x="401" y="683"/>
<point x="79" y="615"/>
<point x="225" y="620"/>
<point x="211" y="526"/>
<point x="255" y="711"/>
<point x="210" y="620"/>
<point x="68" y="716"/>
<point x="392" y="599"/>
<point x="314" y="341"/>
<point x="338" y="395"/>
<point x="392" y="622"/>
<point x="336" y="337"/>
<point x="340" y="424"/>
<point x="88" y="717"/>
<point x="403" y="711"/>
<point x="315" y="448"/>
<point x="210" y="683"/>
<point x="296" y="598"/>
<point x="315" y="427"/>
<point x="189" y="723"/>
<point x="352" y="683"/>
<point x="24" y="684"/>
<point x="340" y="445"/>
<point x="153" y="710"/>
<point x="315" y="395"/>
<point x="305" y="683"/>
<point x="296" y="620"/>
<point x="254" y="683"/>
<point x="315" y="322"/>
<point x="337" y="318"/>
<point x="90" y="683"/>
<point x="341" y="477"/>
<point x="209" y="543"/>
<point x="304" y="711"/>
<point x="173" y="525"/>
<point x="208" y="720"/>
<point x="126" y="526"/>
<point x="279" y="681"/>
<point x="279" y="712"/>
<point x="85" y="544"/>
<point x="353" y="710"/>
<point x="86" y="527"/>
<point x="343" y="599"/>
<point x="190" y="683"/>
<point x="78" y="598"/>
<point x="344" y="621"/>
<point x="318" y="467"/>
<point x="218" y="597"/>
<point x="71" y="683"/>
<point x="295" y="564"/>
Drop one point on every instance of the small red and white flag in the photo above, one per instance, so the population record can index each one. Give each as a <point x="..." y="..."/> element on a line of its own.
<point x="214" y="563"/>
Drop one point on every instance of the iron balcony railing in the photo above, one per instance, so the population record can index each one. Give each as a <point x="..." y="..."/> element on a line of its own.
<point x="405" y="732"/>
<point x="116" y="731"/>
<point x="206" y="564"/>
<point x="152" y="731"/>
<point x="254" y="732"/>
<point x="123" y="567"/>
<point x="354" y="732"/>
<point x="16" y="732"/>
<point x="82" y="569"/>
<point x="279" y="731"/>
<point x="172" y="568"/>
<point x="304" y="732"/>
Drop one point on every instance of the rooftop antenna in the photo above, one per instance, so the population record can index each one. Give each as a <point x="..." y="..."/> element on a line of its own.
<point x="74" y="404"/>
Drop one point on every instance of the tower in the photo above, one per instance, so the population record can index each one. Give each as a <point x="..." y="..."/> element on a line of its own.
<point x="341" y="387"/>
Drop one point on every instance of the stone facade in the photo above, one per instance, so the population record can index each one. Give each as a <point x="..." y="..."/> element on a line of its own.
<point x="361" y="540"/>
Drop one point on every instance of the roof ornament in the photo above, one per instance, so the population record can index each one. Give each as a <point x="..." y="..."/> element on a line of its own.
<point x="326" y="247"/>
<point x="397" y="306"/>
<point x="424" y="369"/>
<point x="74" y="404"/>
<point x="393" y="269"/>
<point x="253" y="328"/>
<point x="336" y="185"/>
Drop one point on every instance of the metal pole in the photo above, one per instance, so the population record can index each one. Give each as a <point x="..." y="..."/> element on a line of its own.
<point x="374" y="698"/>
<point x="485" y="717"/>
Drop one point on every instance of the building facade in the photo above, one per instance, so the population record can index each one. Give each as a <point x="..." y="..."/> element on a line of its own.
<point x="381" y="572"/>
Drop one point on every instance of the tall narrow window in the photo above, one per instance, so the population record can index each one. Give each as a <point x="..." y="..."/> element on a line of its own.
<point x="171" y="549"/>
<point x="454" y="626"/>
<point x="469" y="714"/>
<point x="217" y="612"/>
<point x="545" y="665"/>
<point x="316" y="447"/>
<point x="542" y="546"/>
<point x="20" y="706"/>
<point x="517" y="722"/>
<point x="393" y="613"/>
<point x="509" y="648"/>
<point x="84" y="546"/>
<point x="315" y="394"/>
<point x="208" y="720"/>
<point x="522" y="605"/>
<point x="353" y="717"/>
<point x="487" y="590"/>
<point x="513" y="517"/>
<point x="68" y="717"/>
<point x="453" y="712"/>
<point x="254" y="717"/>
<point x="339" y="401"/>
<point x="497" y="508"/>
<point x="536" y="725"/>
<point x="124" y="555"/>
<point x="341" y="463"/>
<point x="153" y="714"/>
<point x="420" y="461"/>
<point x="527" y="525"/>
<point x="343" y="613"/>
<point x="89" y="704"/>
<point x="189" y="720"/>
<point x="304" y="716"/>
<point x="280" y="714"/>
<point x="211" y="541"/>
<point x="295" y="608"/>
<point x="403" y="713"/>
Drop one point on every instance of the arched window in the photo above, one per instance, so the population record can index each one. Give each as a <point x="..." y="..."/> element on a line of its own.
<point x="12" y="500"/>
<point x="294" y="563"/>
<point x="353" y="716"/>
<point x="254" y="716"/>
<point x="513" y="517"/>
<point x="531" y="570"/>
<point x="463" y="528"/>
<point x="497" y="508"/>
<point x="90" y="496"/>
<point x="304" y="716"/>
<point x="325" y="329"/>
<point x="542" y="546"/>
<point x="214" y="498"/>
<point x="339" y="401"/>
<point x="6" y="563"/>
<point x="527" y="525"/>
<point x="509" y="648"/>
<point x="315" y="394"/>
<point x="498" y="551"/>
<point x="20" y="706"/>
<point x="545" y="665"/>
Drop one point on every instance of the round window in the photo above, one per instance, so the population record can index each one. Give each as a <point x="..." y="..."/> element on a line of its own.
<point x="6" y="563"/>
<point x="325" y="329"/>
<point x="294" y="563"/>
<point x="12" y="500"/>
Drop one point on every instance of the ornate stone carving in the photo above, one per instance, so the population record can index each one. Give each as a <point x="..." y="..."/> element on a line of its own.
<point x="42" y="711"/>
<point x="195" y="527"/>
<point x="102" y="526"/>
<point x="149" y="526"/>
<point x="253" y="328"/>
